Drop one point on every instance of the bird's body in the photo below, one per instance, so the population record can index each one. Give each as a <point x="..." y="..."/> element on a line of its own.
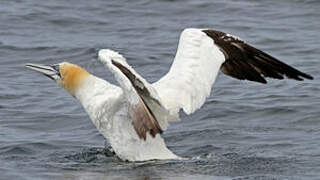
<point x="109" y="111"/>
<point x="133" y="116"/>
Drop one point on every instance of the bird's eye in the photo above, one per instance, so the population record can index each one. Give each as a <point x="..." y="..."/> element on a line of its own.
<point x="56" y="67"/>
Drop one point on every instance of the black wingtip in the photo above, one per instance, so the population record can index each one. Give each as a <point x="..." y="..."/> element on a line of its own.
<point x="243" y="61"/>
<point x="264" y="82"/>
<point x="307" y="76"/>
<point x="299" y="76"/>
<point x="260" y="80"/>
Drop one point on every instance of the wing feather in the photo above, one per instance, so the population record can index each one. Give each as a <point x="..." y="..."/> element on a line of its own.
<point x="145" y="109"/>
<point x="244" y="61"/>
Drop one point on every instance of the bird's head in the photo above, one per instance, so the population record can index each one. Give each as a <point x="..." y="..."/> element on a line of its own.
<point x="67" y="75"/>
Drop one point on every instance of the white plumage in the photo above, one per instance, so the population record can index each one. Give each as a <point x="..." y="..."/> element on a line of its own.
<point x="108" y="108"/>
<point x="194" y="70"/>
<point x="133" y="116"/>
<point x="185" y="86"/>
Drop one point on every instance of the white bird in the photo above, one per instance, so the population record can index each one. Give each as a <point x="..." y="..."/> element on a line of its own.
<point x="133" y="116"/>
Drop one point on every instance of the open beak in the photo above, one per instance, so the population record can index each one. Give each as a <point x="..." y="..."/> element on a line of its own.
<point x="51" y="71"/>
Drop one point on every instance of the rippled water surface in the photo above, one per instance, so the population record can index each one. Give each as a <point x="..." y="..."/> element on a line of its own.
<point x="244" y="131"/>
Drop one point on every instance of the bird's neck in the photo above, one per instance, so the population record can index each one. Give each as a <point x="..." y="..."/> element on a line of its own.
<point x="97" y="96"/>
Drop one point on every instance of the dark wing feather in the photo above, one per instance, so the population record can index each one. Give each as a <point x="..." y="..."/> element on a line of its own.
<point x="246" y="62"/>
<point x="143" y="118"/>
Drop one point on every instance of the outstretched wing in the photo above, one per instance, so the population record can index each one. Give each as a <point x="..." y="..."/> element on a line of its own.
<point x="201" y="54"/>
<point x="146" y="111"/>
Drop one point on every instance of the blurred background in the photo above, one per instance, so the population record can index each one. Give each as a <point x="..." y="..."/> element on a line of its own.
<point x="244" y="131"/>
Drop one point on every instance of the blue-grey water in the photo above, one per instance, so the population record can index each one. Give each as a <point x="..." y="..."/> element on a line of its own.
<point x="244" y="131"/>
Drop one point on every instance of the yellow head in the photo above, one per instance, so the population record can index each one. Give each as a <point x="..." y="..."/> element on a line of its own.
<point x="72" y="76"/>
<point x="67" y="75"/>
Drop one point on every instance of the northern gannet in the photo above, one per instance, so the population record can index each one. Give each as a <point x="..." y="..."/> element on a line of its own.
<point x="133" y="116"/>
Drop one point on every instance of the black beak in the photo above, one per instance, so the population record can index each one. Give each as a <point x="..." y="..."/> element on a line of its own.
<point x="51" y="71"/>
